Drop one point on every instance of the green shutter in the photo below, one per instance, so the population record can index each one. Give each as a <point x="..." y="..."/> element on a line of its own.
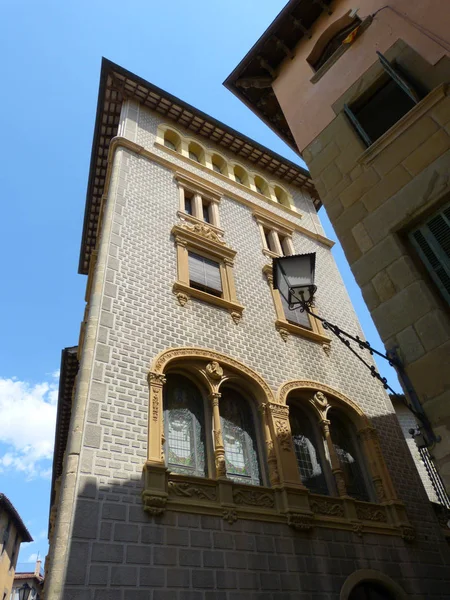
<point x="432" y="242"/>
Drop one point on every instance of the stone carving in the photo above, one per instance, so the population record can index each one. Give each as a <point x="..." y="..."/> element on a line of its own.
<point x="278" y="410"/>
<point x="169" y="355"/>
<point x="214" y="370"/>
<point x="370" y="513"/>
<point x="221" y="468"/>
<point x="327" y="349"/>
<point x="379" y="490"/>
<point x="187" y="490"/>
<point x="157" y="379"/>
<point x="320" y="400"/>
<point x="154" y="505"/>
<point x="182" y="298"/>
<point x="286" y="388"/>
<point x="229" y="515"/>
<point x="203" y="231"/>
<point x="284" y="435"/>
<point x="358" y="529"/>
<point x="300" y="521"/>
<point x="236" y="316"/>
<point x="253" y="498"/>
<point x="155" y="404"/>
<point x="284" y="333"/>
<point x="327" y="507"/>
<point x="408" y="533"/>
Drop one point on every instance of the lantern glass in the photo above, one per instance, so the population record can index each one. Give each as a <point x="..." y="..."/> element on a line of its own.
<point x="293" y="277"/>
<point x="24" y="592"/>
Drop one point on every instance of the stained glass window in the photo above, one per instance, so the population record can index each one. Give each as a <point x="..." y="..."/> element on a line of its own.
<point x="307" y="452"/>
<point x="344" y="444"/>
<point x="239" y="438"/>
<point x="184" y="427"/>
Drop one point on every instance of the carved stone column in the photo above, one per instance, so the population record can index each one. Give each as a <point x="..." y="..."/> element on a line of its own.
<point x="334" y="459"/>
<point x="155" y="418"/>
<point x="274" y="475"/>
<point x="378" y="471"/>
<point x="219" y="448"/>
<point x="281" y="436"/>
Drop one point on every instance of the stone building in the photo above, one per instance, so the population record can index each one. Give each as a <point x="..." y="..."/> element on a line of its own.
<point x="32" y="581"/>
<point x="361" y="92"/>
<point x="211" y="443"/>
<point x="12" y="533"/>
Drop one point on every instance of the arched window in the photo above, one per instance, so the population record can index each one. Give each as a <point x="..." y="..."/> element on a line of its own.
<point x="239" y="438"/>
<point x="171" y="140"/>
<point x="261" y="185"/>
<point x="218" y="163"/>
<point x="309" y="451"/>
<point x="196" y="153"/>
<point x="369" y="590"/>
<point x="346" y="447"/>
<point x="184" y="427"/>
<point x="240" y="175"/>
<point x="282" y="196"/>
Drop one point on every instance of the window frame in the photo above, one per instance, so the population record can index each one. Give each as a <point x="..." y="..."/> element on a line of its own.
<point x="285" y="327"/>
<point x="202" y="197"/>
<point x="276" y="231"/>
<point x="203" y="240"/>
<point x="401" y="80"/>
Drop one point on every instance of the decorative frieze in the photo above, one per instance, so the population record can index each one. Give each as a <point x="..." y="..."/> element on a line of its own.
<point x="188" y="490"/>
<point x="250" y="497"/>
<point x="330" y="507"/>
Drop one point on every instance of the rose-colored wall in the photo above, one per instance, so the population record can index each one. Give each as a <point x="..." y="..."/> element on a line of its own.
<point x="307" y="106"/>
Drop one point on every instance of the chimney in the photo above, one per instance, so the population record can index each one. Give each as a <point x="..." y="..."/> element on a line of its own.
<point x="37" y="570"/>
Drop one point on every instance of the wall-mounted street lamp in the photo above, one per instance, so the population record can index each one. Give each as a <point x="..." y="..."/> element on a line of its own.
<point x="24" y="591"/>
<point x="293" y="277"/>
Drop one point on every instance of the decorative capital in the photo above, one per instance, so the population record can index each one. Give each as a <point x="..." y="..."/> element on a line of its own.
<point x="408" y="533"/>
<point x="358" y="529"/>
<point x="320" y="401"/>
<point x="156" y="379"/>
<point x="182" y="298"/>
<point x="284" y="435"/>
<point x="327" y="349"/>
<point x="214" y="371"/>
<point x="279" y="410"/>
<point x="228" y="261"/>
<point x="236" y="316"/>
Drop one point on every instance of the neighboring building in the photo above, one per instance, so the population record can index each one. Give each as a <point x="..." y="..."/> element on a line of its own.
<point x="12" y="533"/>
<point x="273" y="464"/>
<point x="361" y="91"/>
<point x="33" y="579"/>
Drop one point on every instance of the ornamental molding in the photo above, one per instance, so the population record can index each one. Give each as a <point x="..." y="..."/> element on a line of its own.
<point x="214" y="370"/>
<point x="284" y="435"/>
<point x="154" y="504"/>
<point x="277" y="410"/>
<point x="331" y="393"/>
<point x="370" y="513"/>
<point x="203" y="231"/>
<point x="156" y="379"/>
<point x="299" y="521"/>
<point x="187" y="490"/>
<point x="161" y="361"/>
<point x="229" y="515"/>
<point x="253" y="498"/>
<point x="182" y="298"/>
<point x="328" y="507"/>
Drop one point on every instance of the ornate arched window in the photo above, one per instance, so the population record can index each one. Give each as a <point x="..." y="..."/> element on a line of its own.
<point x="347" y="449"/>
<point x="370" y="590"/>
<point x="184" y="427"/>
<point x="239" y="438"/>
<point x="172" y="140"/>
<point x="309" y="451"/>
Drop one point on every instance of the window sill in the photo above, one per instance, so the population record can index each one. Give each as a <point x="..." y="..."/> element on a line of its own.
<point x="190" y="292"/>
<point x="282" y="325"/>
<point x="294" y="506"/>
<point x="416" y="113"/>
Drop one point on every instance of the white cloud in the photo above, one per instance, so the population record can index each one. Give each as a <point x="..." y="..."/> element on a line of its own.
<point x="27" y="425"/>
<point x="32" y="558"/>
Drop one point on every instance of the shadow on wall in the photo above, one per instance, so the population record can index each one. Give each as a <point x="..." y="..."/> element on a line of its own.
<point x="118" y="552"/>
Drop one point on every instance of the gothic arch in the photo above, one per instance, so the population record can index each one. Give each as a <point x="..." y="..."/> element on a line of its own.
<point x="370" y="575"/>
<point x="161" y="362"/>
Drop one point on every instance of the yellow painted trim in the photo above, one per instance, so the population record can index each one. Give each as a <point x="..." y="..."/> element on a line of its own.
<point x="272" y="221"/>
<point x="178" y="286"/>
<point x="141" y="151"/>
<point x="302" y="331"/>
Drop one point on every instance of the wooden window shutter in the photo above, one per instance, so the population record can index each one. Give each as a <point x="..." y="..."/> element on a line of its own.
<point x="204" y="272"/>
<point x="432" y="242"/>
<point x="295" y="316"/>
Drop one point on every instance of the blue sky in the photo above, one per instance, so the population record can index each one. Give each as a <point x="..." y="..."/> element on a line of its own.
<point x="52" y="52"/>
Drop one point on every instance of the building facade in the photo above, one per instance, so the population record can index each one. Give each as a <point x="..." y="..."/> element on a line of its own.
<point x="362" y="93"/>
<point x="32" y="581"/>
<point x="211" y="443"/>
<point x="12" y="533"/>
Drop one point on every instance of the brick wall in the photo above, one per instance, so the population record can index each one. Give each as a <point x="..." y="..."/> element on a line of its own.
<point x="118" y="552"/>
